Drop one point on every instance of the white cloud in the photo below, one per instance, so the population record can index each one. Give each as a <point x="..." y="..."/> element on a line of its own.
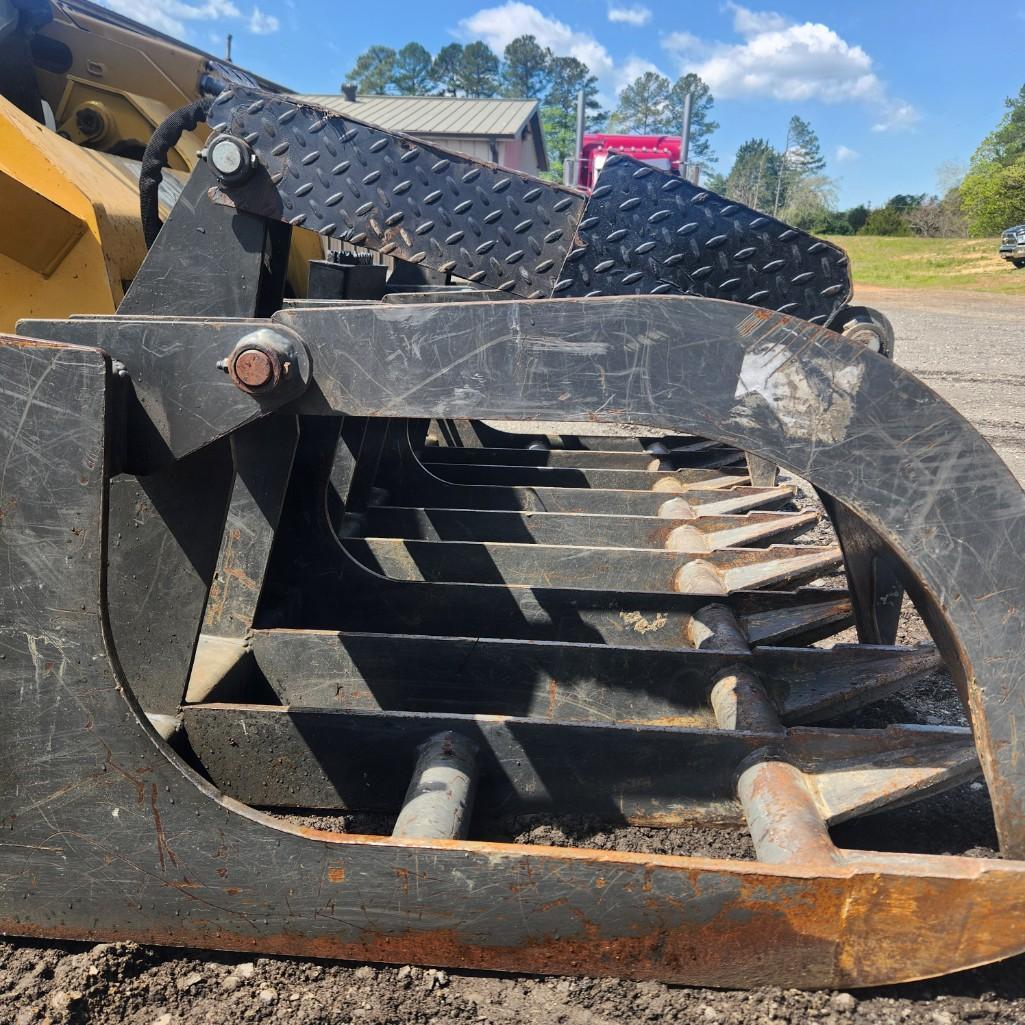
<point x="844" y="154"/>
<point x="173" y="16"/>
<point x="754" y="23"/>
<point x="896" y="115"/>
<point x="632" y="68"/>
<point x="499" y="26"/>
<point x="681" y="43"/>
<point x="261" y="24"/>
<point x="636" y="14"/>
<point x="790" y="62"/>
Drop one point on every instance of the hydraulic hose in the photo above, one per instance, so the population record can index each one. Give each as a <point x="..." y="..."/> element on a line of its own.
<point x="167" y="134"/>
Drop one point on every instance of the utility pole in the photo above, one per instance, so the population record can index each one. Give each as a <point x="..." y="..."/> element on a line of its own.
<point x="688" y="102"/>
<point x="571" y="168"/>
<point x="227" y="55"/>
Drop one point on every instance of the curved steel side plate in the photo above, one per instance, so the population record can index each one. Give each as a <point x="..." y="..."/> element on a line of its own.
<point x="107" y="835"/>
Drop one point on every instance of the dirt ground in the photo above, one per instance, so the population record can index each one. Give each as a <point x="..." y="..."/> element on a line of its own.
<point x="964" y="346"/>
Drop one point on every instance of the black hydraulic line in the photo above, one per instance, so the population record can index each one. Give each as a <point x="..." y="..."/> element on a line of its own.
<point x="167" y="134"/>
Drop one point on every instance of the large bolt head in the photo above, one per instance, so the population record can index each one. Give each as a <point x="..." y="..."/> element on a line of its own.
<point x="262" y="363"/>
<point x="254" y="368"/>
<point x="89" y="122"/>
<point x="231" y="159"/>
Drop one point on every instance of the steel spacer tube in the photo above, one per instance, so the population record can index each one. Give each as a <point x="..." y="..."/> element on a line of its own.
<point x="785" y="823"/>
<point x="439" y="801"/>
<point x="740" y="702"/>
<point x="715" y="628"/>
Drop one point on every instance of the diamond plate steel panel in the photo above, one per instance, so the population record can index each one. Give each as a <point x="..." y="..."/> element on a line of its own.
<point x="644" y="231"/>
<point x="352" y="181"/>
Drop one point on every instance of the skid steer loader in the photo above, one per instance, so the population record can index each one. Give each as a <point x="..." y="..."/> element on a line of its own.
<point x="287" y="623"/>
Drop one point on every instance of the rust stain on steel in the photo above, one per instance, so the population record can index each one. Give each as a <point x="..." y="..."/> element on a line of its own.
<point x="658" y="537"/>
<point x="162" y="845"/>
<point x="254" y="368"/>
<point x="830" y="930"/>
<point x="553" y="696"/>
<point x="228" y="570"/>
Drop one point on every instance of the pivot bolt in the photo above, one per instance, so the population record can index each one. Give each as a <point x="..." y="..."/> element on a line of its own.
<point x="254" y="368"/>
<point x="261" y="363"/>
<point x="231" y="159"/>
<point x="90" y="122"/>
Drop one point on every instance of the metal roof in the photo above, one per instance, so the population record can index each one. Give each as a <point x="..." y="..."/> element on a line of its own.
<point x="436" y="115"/>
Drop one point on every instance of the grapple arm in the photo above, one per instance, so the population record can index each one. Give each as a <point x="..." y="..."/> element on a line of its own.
<point x="240" y="591"/>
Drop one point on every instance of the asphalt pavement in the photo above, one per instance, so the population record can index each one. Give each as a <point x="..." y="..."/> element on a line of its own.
<point x="970" y="348"/>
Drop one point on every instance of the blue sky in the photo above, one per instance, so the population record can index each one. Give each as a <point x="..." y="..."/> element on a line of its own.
<point x="895" y="88"/>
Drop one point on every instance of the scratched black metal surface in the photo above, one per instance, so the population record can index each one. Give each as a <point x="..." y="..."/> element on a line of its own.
<point x="400" y="196"/>
<point x="645" y="231"/>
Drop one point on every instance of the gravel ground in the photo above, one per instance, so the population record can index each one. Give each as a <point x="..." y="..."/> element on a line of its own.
<point x="966" y="348"/>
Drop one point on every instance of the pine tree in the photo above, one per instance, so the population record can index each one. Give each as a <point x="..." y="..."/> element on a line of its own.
<point x="801" y="159"/>
<point x="643" y="105"/>
<point x="754" y="177"/>
<point x="568" y="77"/>
<point x="445" y="69"/>
<point x="374" y="70"/>
<point x="478" y="71"/>
<point x="411" y="75"/>
<point x="701" y="124"/>
<point x="804" y="153"/>
<point x="525" y="69"/>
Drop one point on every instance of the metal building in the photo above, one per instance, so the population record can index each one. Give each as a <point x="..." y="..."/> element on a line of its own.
<point x="506" y="132"/>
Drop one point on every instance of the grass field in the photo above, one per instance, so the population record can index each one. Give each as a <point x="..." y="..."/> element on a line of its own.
<point x="948" y="263"/>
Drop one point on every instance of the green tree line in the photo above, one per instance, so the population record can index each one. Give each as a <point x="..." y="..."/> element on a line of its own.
<point x="652" y="104"/>
<point x="993" y="191"/>
<point x="989" y="197"/>
<point x="788" y="180"/>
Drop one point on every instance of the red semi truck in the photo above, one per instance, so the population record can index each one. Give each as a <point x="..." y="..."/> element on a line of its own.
<point x="661" y="151"/>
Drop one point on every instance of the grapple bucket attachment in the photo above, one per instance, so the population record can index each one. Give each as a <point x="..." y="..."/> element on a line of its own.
<point x="286" y="627"/>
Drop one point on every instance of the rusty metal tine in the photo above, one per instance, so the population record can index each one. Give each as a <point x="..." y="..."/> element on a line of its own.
<point x="717" y="572"/>
<point x="707" y="455"/>
<point x="702" y="533"/>
<point x="671" y="481"/>
<point x="763" y="472"/>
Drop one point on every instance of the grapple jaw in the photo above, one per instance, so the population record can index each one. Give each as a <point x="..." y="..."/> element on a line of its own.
<point x="232" y="605"/>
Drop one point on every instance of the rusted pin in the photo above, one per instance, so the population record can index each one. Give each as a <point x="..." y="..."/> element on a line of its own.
<point x="439" y="801"/>
<point x="739" y="700"/>
<point x="782" y="816"/>
<point x="785" y="823"/>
